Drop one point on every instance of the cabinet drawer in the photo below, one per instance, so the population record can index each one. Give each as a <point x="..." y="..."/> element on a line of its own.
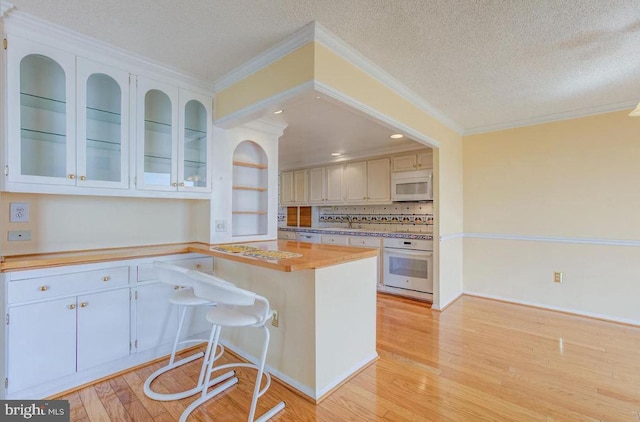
<point x="308" y="237"/>
<point x="365" y="242"/>
<point x="335" y="239"/>
<point x="66" y="284"/>
<point x="204" y="264"/>
<point x="286" y="235"/>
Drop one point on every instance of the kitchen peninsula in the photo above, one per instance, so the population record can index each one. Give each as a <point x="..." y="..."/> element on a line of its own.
<point x="326" y="303"/>
<point x="325" y="296"/>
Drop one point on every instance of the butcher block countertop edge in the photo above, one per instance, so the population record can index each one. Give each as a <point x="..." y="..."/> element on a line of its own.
<point x="313" y="255"/>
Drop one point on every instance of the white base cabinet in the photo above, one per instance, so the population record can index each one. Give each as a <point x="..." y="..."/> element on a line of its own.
<point x="69" y="325"/>
<point x="42" y="343"/>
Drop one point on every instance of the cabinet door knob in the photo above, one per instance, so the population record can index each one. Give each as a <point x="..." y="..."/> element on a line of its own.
<point x="44" y="288"/>
<point x="174" y="184"/>
<point x="83" y="304"/>
<point x="83" y="178"/>
<point x="198" y="266"/>
<point x="72" y="306"/>
<point x="106" y="278"/>
<point x="176" y="287"/>
<point x="72" y="176"/>
<point x="181" y="184"/>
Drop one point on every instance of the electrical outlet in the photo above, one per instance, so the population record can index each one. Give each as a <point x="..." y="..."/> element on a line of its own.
<point x="275" y="319"/>
<point x="19" y="212"/>
<point x="19" y="235"/>
<point x="557" y="277"/>
<point x="221" y="225"/>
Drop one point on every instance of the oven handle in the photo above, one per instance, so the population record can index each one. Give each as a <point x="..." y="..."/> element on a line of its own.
<point x="408" y="252"/>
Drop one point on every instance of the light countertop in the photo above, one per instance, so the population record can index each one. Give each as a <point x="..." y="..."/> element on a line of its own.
<point x="311" y="255"/>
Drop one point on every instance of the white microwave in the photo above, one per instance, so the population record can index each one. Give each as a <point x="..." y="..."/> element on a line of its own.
<point x="412" y="185"/>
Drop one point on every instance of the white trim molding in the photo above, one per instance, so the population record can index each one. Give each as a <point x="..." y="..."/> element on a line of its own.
<point x="341" y="48"/>
<point x="548" y="118"/>
<point x="576" y="240"/>
<point x="314" y="31"/>
<point x="299" y="38"/>
<point x="382" y="118"/>
<point x="256" y="110"/>
<point x="24" y="25"/>
<point x="302" y="388"/>
<point x="554" y="308"/>
<point x="451" y="236"/>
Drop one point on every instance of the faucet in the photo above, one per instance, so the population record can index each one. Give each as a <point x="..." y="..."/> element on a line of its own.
<point x="350" y="222"/>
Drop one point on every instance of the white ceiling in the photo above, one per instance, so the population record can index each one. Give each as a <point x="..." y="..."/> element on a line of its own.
<point x="483" y="64"/>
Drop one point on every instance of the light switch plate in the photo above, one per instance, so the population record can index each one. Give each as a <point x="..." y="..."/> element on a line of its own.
<point x="19" y="212"/>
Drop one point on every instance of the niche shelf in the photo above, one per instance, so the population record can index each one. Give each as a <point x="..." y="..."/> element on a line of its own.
<point x="250" y="181"/>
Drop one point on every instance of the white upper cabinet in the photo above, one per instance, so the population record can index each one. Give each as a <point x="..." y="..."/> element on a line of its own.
<point x="194" y="146"/>
<point x="335" y="184"/>
<point x="41" y="110"/>
<point x="174" y="138"/>
<point x="356" y="181"/>
<point x="379" y="180"/>
<point x="317" y="185"/>
<point x="75" y="126"/>
<point x="157" y="163"/>
<point x="419" y="161"/>
<point x="103" y="125"/>
<point x="368" y="181"/>
<point x="326" y="185"/>
<point x="293" y="187"/>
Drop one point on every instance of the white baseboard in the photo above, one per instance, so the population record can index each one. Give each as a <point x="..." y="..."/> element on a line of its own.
<point x="555" y="308"/>
<point x="51" y="388"/>
<point x="333" y="384"/>
<point x="302" y="388"/>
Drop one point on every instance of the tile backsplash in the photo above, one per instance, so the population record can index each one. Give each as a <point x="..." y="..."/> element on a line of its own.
<point x="401" y="216"/>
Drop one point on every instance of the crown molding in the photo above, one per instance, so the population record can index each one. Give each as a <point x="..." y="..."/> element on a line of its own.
<point x="565" y="115"/>
<point x="383" y="118"/>
<point x="5" y="7"/>
<point x="255" y="110"/>
<point x="314" y="31"/>
<point x="338" y="46"/>
<point x="24" y="25"/>
<point x="296" y="40"/>
<point x="267" y="126"/>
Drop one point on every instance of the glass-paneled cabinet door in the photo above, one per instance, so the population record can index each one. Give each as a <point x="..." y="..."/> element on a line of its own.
<point x="103" y="125"/>
<point x="41" y="113"/>
<point x="157" y="140"/>
<point x="195" y="119"/>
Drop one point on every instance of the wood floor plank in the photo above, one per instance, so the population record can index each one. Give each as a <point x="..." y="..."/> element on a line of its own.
<point x="478" y="360"/>
<point x="93" y="405"/>
<point x="111" y="403"/>
<point x="154" y="408"/>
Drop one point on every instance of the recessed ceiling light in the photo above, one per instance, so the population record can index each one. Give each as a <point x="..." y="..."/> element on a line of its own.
<point x="336" y="154"/>
<point x="396" y="136"/>
<point x="317" y="98"/>
<point x="278" y="112"/>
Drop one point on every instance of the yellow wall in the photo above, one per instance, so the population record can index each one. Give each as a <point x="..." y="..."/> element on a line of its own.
<point x="344" y="77"/>
<point x="353" y="82"/>
<point x="65" y="222"/>
<point x="569" y="179"/>
<point x="285" y="73"/>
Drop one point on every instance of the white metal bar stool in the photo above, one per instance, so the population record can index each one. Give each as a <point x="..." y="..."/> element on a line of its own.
<point x="184" y="297"/>
<point x="235" y="308"/>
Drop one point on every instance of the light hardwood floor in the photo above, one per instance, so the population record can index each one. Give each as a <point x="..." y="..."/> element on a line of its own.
<point x="479" y="360"/>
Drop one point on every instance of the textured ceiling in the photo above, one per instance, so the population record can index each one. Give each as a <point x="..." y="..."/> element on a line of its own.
<point x="481" y="63"/>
